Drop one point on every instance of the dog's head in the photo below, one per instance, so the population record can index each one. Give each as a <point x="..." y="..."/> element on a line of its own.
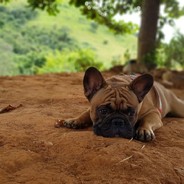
<point x="114" y="107"/>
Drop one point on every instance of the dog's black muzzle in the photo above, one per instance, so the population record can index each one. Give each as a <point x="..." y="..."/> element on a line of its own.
<point x="116" y="126"/>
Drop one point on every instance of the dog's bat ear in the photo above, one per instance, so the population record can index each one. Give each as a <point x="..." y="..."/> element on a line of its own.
<point x="141" y="85"/>
<point x="92" y="82"/>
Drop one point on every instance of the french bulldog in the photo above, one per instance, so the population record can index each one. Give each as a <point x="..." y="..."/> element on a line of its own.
<point x="128" y="106"/>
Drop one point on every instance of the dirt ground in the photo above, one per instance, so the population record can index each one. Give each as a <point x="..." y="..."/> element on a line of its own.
<point x="32" y="151"/>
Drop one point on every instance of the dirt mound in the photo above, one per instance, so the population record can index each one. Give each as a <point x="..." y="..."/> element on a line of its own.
<point x="32" y="151"/>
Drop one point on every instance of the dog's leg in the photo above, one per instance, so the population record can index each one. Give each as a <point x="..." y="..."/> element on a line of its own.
<point x="145" y="130"/>
<point x="81" y="121"/>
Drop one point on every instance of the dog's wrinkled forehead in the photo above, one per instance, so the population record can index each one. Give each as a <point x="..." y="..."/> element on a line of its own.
<point x="117" y="97"/>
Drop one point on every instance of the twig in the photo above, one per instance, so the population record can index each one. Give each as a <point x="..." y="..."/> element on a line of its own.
<point x="143" y="146"/>
<point x="9" y="108"/>
<point x="126" y="158"/>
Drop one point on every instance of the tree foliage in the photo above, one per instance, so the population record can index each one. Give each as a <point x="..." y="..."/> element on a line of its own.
<point x="171" y="55"/>
<point x="152" y="21"/>
<point x="51" y="6"/>
<point x="104" y="11"/>
<point x="70" y="61"/>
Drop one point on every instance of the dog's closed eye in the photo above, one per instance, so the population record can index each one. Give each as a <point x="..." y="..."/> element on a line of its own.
<point x="104" y="110"/>
<point x="130" y="111"/>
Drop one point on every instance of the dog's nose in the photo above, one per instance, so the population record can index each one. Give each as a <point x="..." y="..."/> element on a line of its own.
<point x="118" y="122"/>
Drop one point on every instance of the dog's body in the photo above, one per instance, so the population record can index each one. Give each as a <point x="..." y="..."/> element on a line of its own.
<point x="125" y="105"/>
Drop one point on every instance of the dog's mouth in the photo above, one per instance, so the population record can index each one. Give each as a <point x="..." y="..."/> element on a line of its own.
<point x="114" y="127"/>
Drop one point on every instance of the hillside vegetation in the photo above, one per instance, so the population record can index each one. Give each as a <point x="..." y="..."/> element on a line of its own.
<point x="34" y="42"/>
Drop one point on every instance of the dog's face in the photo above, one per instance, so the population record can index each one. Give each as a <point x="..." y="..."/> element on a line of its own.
<point x="114" y="107"/>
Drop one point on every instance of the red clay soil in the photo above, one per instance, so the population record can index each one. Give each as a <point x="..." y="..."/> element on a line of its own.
<point x="32" y="151"/>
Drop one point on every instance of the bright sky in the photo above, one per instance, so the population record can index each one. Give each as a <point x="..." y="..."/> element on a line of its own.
<point x="168" y="30"/>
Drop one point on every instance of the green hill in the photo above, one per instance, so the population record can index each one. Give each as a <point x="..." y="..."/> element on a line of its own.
<point x="33" y="37"/>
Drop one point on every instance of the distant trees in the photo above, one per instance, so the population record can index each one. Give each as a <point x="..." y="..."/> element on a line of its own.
<point x="104" y="11"/>
<point x="172" y="55"/>
<point x="50" y="6"/>
<point x="31" y="49"/>
<point x="29" y="44"/>
<point x="70" y="61"/>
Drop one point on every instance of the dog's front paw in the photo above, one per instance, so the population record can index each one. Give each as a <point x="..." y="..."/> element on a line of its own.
<point x="144" y="134"/>
<point x="69" y="123"/>
<point x="72" y="123"/>
<point x="59" y="123"/>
